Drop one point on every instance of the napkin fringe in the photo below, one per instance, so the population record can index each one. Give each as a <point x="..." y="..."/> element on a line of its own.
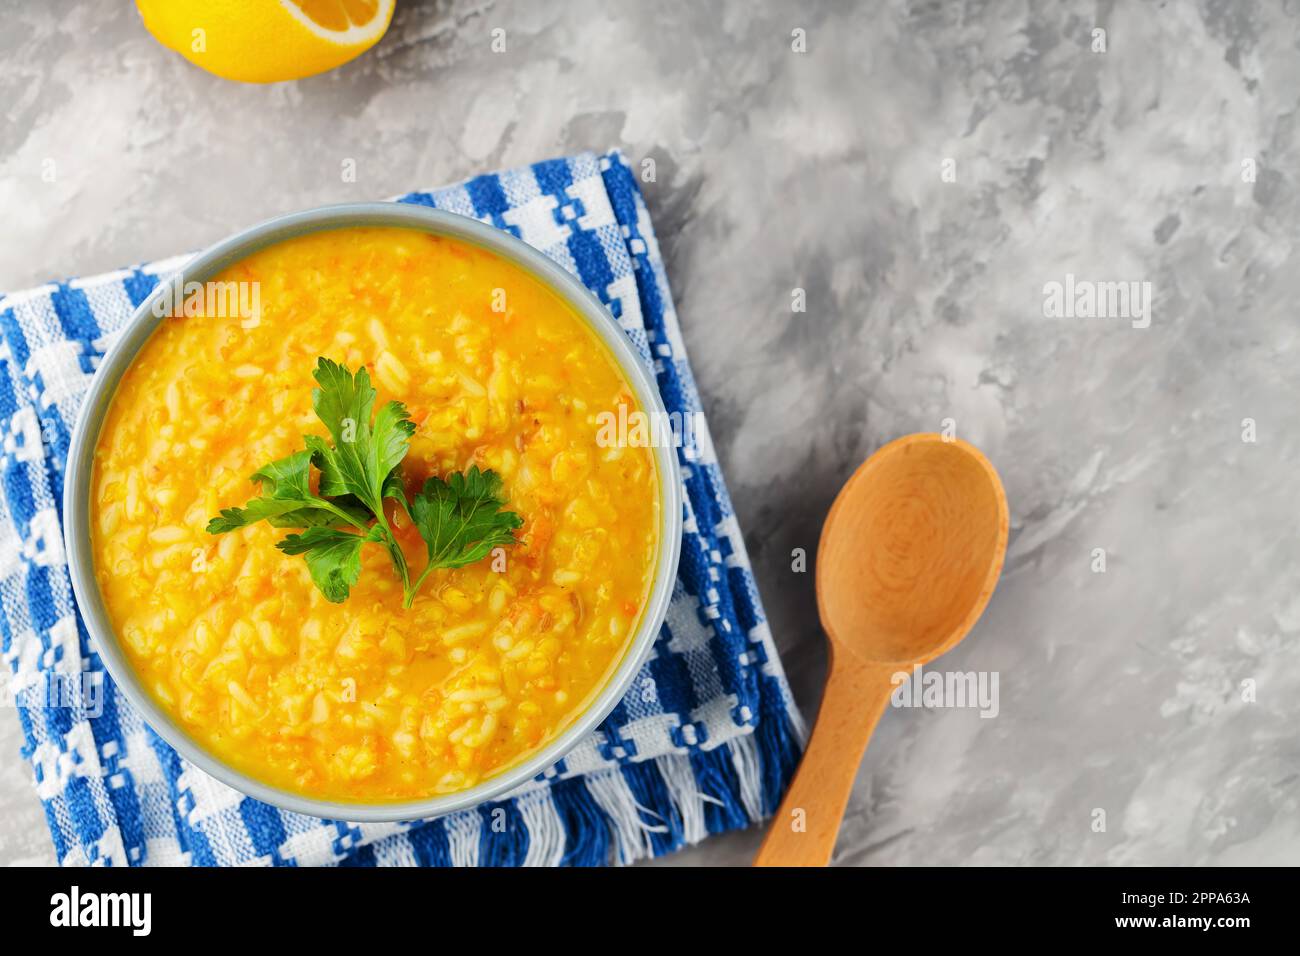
<point x="647" y="809"/>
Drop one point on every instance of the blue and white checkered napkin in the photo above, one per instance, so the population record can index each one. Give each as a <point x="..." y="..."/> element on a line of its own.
<point x="711" y="751"/>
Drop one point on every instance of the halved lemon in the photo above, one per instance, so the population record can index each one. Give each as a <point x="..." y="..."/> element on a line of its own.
<point x="266" y="41"/>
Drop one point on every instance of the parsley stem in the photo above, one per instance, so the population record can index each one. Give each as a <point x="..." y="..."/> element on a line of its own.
<point x="414" y="589"/>
<point x="335" y="509"/>
<point x="394" y="549"/>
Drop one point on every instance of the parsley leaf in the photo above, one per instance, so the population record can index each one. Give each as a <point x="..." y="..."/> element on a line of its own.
<point x="364" y="458"/>
<point x="364" y="455"/>
<point x="287" y="501"/>
<point x="333" y="558"/>
<point x="461" y="520"/>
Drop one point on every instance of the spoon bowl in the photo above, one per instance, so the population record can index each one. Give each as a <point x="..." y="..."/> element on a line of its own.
<point x="911" y="550"/>
<point x="909" y="555"/>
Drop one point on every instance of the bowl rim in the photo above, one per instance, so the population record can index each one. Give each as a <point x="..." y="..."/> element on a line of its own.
<point x="206" y="265"/>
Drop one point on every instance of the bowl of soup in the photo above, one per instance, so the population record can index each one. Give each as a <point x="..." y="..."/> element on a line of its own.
<point x="383" y="705"/>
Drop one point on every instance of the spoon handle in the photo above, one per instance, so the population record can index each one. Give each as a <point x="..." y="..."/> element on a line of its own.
<point x="804" y="829"/>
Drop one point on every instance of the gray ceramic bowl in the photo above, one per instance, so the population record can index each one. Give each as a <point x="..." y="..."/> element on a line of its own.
<point x="205" y="266"/>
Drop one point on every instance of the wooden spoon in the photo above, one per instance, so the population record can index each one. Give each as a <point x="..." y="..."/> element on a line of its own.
<point x="909" y="555"/>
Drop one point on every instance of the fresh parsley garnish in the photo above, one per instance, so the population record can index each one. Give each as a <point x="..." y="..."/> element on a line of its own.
<point x="287" y="500"/>
<point x="461" y="520"/>
<point x="333" y="557"/>
<point x="460" y="517"/>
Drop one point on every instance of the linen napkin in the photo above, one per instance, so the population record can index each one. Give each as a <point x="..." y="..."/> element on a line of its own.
<point x="711" y="750"/>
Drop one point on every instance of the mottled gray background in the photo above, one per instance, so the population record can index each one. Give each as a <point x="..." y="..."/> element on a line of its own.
<point x="1119" y="691"/>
